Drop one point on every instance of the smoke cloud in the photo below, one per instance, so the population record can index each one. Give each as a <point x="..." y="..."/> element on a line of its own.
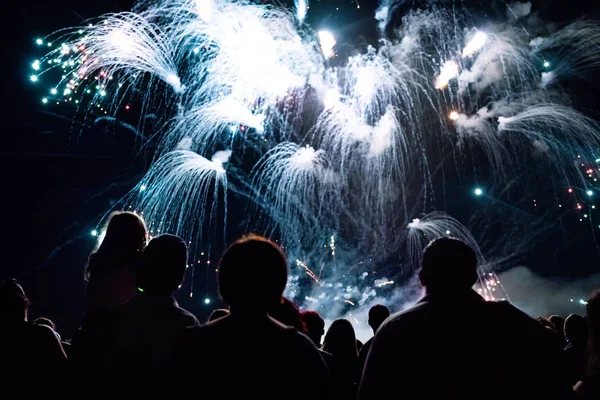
<point x="538" y="296"/>
<point x="518" y="10"/>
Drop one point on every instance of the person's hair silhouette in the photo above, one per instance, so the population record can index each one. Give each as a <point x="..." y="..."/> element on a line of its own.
<point x="252" y="274"/>
<point x="576" y="329"/>
<point x="124" y="240"/>
<point x="340" y="340"/>
<point x="448" y="264"/>
<point x="14" y="304"/>
<point x="377" y="314"/>
<point x="163" y="264"/>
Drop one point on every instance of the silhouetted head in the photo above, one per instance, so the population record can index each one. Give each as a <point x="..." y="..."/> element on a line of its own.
<point x="559" y="323"/>
<point x="14" y="304"/>
<point x="377" y="314"/>
<point x="576" y="329"/>
<point x="448" y="264"/>
<point x="122" y="245"/>
<point x="162" y="266"/>
<point x="547" y="324"/>
<point x="340" y="340"/>
<point x="593" y="320"/>
<point x="45" y="321"/>
<point x="218" y="313"/>
<point x="288" y="314"/>
<point x="252" y="274"/>
<point x="314" y="325"/>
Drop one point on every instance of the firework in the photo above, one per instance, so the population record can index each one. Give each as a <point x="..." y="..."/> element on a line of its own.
<point x="252" y="101"/>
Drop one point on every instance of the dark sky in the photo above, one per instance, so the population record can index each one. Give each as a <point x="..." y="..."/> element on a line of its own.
<point x="61" y="178"/>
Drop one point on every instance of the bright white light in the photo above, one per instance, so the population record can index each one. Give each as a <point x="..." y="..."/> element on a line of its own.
<point x="39" y="42"/>
<point x="415" y="223"/>
<point x="475" y="44"/>
<point x="33" y="78"/>
<point x="327" y="41"/>
<point x="44" y="100"/>
<point x="589" y="193"/>
<point x="478" y="192"/>
<point x="174" y="81"/>
<point x="103" y="93"/>
<point x="119" y="39"/>
<point x="196" y="50"/>
<point x="142" y="188"/>
<point x="94" y="233"/>
<point x="332" y="96"/>
<point x="582" y="302"/>
<point x="36" y="65"/>
<point x="207" y="301"/>
<point x="546" y="64"/>
<point x="204" y="8"/>
<point x="53" y="91"/>
<point x="67" y="91"/>
<point x="301" y="9"/>
<point x="453" y="115"/>
<point x="304" y="157"/>
<point x="365" y="84"/>
<point x="449" y="71"/>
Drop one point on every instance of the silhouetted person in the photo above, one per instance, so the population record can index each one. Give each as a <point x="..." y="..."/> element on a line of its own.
<point x="111" y="268"/>
<point x="45" y="321"/>
<point x="50" y="324"/>
<point x="359" y="345"/>
<point x="340" y="341"/>
<point x="454" y="345"/>
<point x="589" y="386"/>
<point x="128" y="354"/>
<point x="315" y="326"/>
<point x="377" y="314"/>
<point x="31" y="356"/>
<point x="218" y="313"/>
<point x="576" y="350"/>
<point x="248" y="354"/>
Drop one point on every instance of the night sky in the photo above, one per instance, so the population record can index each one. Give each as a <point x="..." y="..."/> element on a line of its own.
<point x="61" y="175"/>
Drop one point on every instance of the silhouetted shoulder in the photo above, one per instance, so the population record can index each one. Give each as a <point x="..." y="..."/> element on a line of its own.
<point x="46" y="336"/>
<point x="189" y="318"/>
<point x="407" y="316"/>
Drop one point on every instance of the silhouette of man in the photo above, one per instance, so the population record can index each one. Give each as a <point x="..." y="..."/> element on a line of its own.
<point x="315" y="326"/>
<point x="128" y="353"/>
<point x="248" y="354"/>
<point x="454" y="345"/>
<point x="576" y="350"/>
<point x="377" y="314"/>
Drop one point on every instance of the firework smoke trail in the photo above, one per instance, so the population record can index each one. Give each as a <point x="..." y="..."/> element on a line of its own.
<point x="339" y="148"/>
